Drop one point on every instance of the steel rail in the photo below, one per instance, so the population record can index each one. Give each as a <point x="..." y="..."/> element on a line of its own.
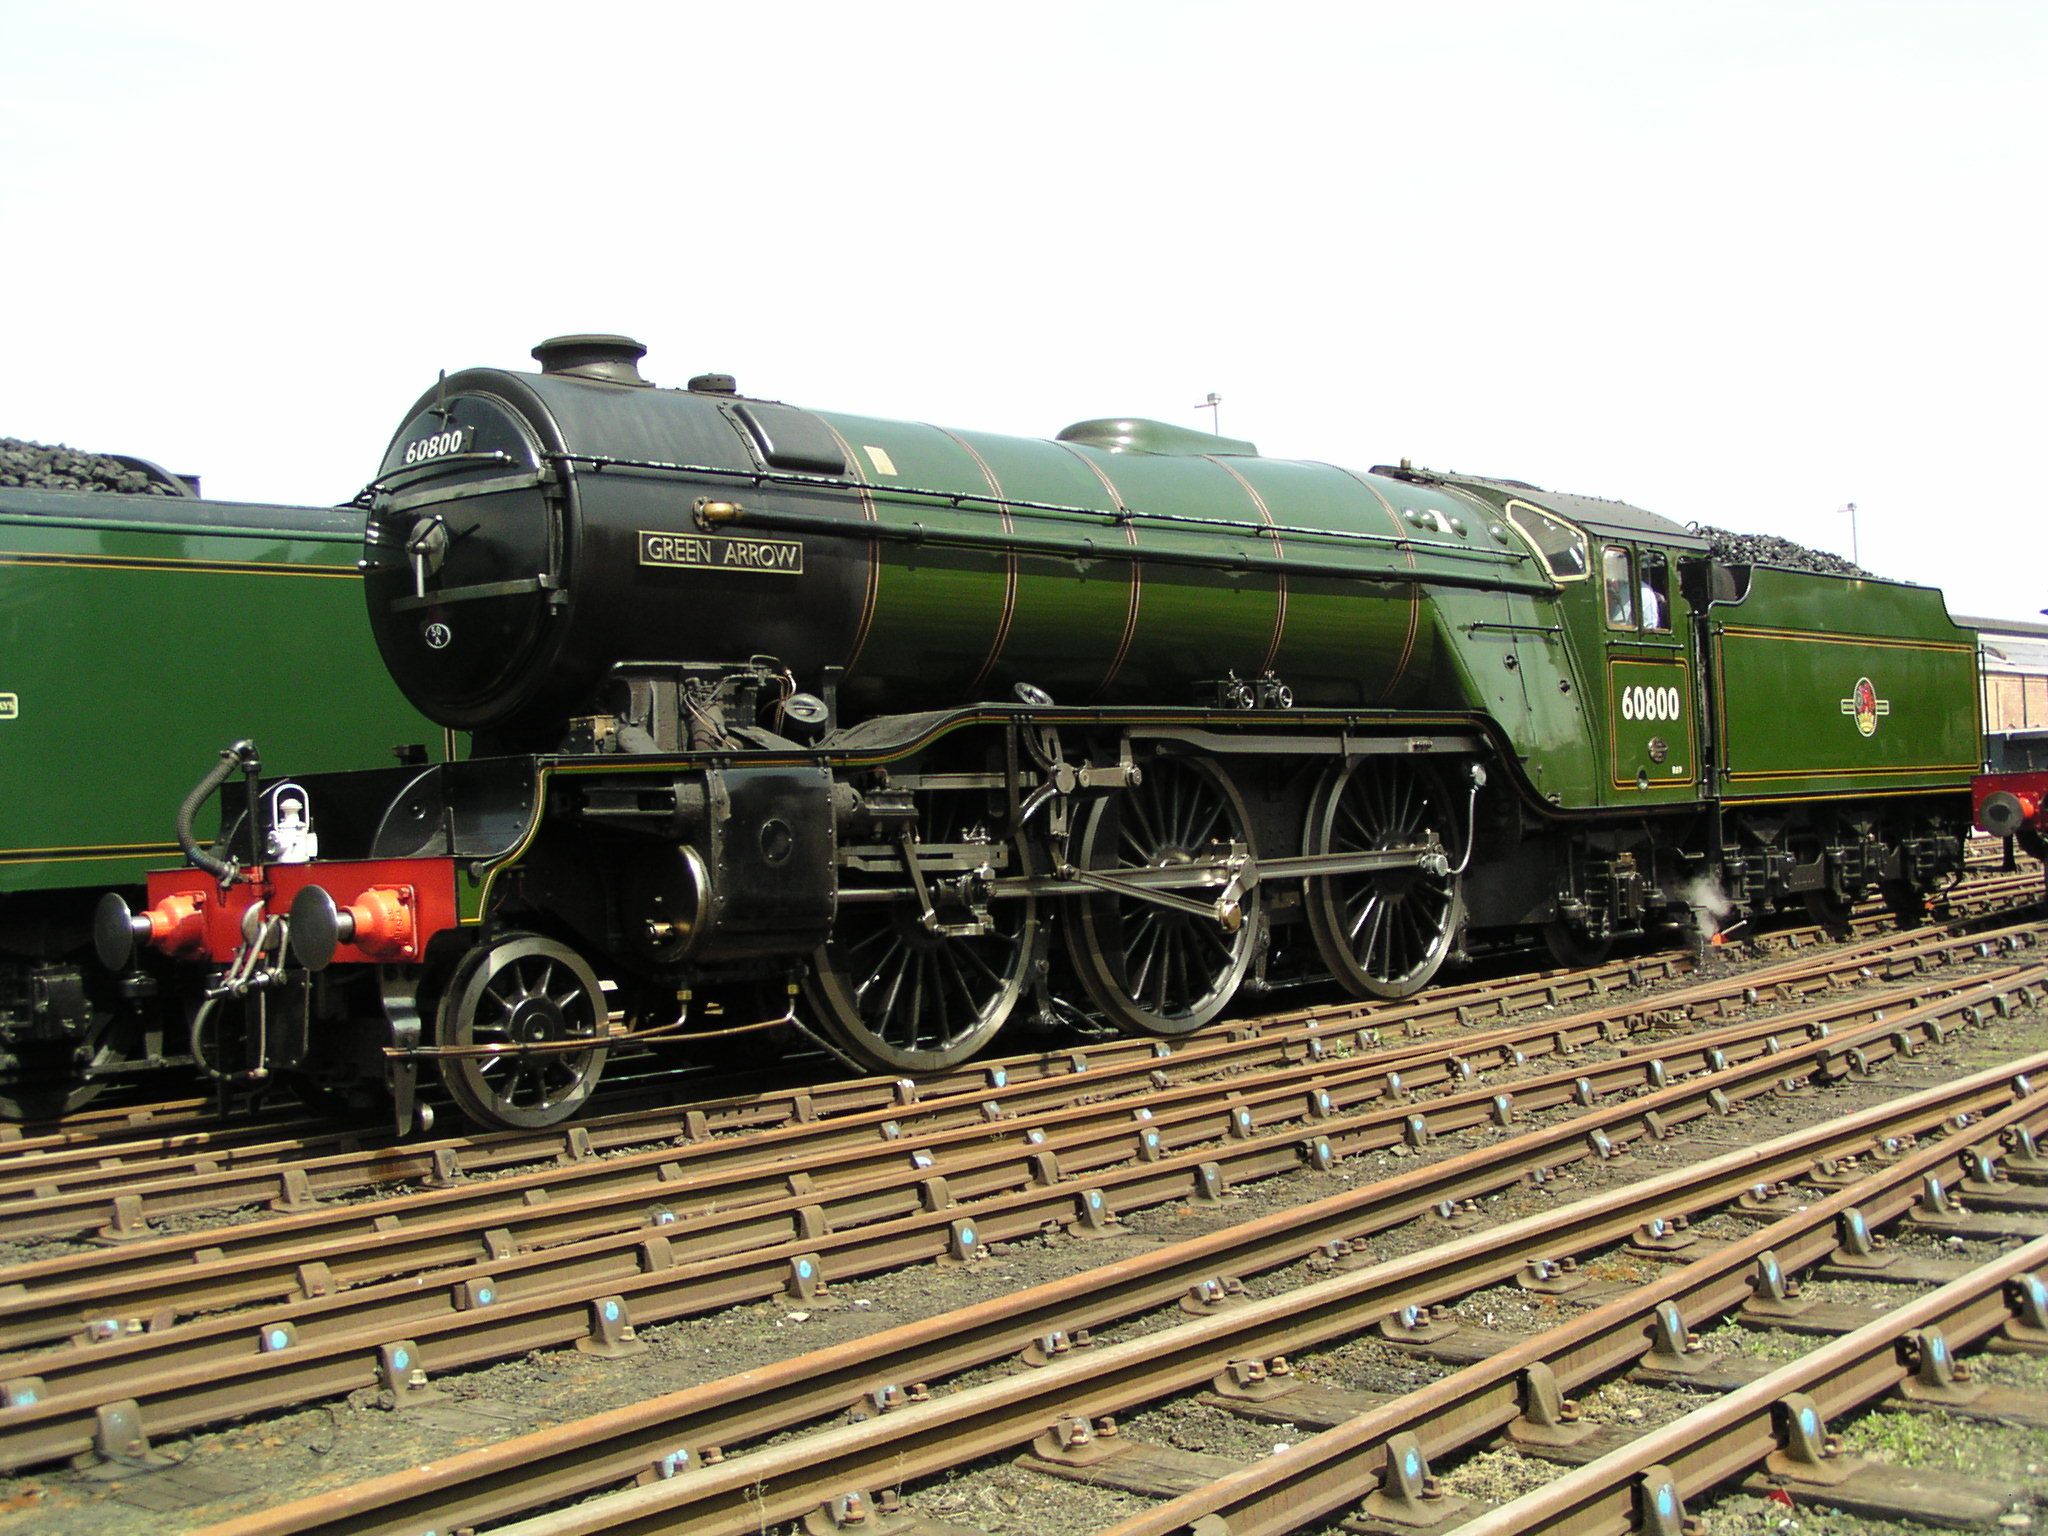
<point x="122" y="1133"/>
<point x="1720" y="1441"/>
<point x="111" y="1130"/>
<point x="32" y="1172"/>
<point x="1335" y="1469"/>
<point x="675" y="1434"/>
<point x="126" y="1205"/>
<point x="448" y="1328"/>
<point x="530" y="1240"/>
<point x="39" y="1201"/>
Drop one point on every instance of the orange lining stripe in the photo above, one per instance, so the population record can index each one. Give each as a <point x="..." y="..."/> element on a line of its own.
<point x="1010" y="562"/>
<point x="195" y="567"/>
<point x="1882" y="642"/>
<point x="1279" y="553"/>
<point x="874" y="587"/>
<point x="1123" y="648"/>
<point x="1414" y="587"/>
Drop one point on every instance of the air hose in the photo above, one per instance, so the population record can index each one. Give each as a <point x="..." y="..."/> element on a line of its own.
<point x="241" y="757"/>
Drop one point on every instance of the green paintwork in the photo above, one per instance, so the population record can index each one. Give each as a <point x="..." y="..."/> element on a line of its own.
<point x="1309" y="571"/>
<point x="135" y="649"/>
<point x="1789" y="656"/>
<point x="1126" y="563"/>
<point x="1134" y="434"/>
<point x="1599" y="705"/>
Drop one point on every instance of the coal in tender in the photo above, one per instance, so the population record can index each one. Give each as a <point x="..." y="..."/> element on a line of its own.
<point x="1732" y="548"/>
<point x="44" y="467"/>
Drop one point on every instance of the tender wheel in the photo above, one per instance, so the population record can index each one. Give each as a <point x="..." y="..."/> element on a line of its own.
<point x="46" y="1082"/>
<point x="1573" y="949"/>
<point x="522" y="990"/>
<point x="1383" y="934"/>
<point x="898" y="995"/>
<point x="1829" y="911"/>
<point x="1150" y="968"/>
<point x="1907" y="903"/>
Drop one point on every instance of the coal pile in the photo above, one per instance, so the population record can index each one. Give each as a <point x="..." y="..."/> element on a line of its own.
<point x="38" y="466"/>
<point x="1732" y="548"/>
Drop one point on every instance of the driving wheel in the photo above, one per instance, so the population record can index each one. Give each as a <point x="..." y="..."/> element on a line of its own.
<point x="1382" y="933"/>
<point x="902" y="994"/>
<point x="1149" y="967"/>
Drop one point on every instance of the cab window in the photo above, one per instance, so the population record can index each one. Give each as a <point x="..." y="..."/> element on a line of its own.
<point x="1620" y="584"/>
<point x="1656" y="589"/>
<point x="1562" y="546"/>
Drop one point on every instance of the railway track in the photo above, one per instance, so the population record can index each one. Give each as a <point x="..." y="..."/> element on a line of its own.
<point x="114" y="1190"/>
<point x="710" y="1460"/>
<point x="816" y="1176"/>
<point x="187" y="1132"/>
<point x="73" y="1191"/>
<point x="515" y="1277"/>
<point x="593" y="1239"/>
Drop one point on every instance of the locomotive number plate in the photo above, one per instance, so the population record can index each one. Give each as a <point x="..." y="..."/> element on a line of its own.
<point x="721" y="552"/>
<point x="10" y="706"/>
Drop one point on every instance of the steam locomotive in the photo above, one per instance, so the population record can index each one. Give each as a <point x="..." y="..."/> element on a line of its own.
<point x="897" y="733"/>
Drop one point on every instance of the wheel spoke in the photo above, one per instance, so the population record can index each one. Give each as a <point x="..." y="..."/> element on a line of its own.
<point x="1153" y="842"/>
<point x="1198" y="836"/>
<point x="1152" y="937"/>
<point x="971" y="952"/>
<point x="1150" y="967"/>
<point x="1172" y="972"/>
<point x="895" y="949"/>
<point x="1211" y="934"/>
<point x="1370" y="905"/>
<point x="902" y="998"/>
<point x="1382" y="934"/>
<point x="1404" y="816"/>
<point x="916" y="1014"/>
<point x="1365" y="835"/>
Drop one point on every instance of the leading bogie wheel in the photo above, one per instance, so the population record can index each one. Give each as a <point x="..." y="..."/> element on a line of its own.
<point x="1383" y="933"/>
<point x="522" y="991"/>
<point x="1148" y="967"/>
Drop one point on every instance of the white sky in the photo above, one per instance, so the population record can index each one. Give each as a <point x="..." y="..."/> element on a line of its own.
<point x="1735" y="262"/>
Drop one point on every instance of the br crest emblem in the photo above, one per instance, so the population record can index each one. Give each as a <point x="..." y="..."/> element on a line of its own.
<point x="1866" y="706"/>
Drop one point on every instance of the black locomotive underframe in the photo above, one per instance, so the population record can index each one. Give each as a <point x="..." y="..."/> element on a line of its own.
<point x="1601" y="874"/>
<point x="678" y="874"/>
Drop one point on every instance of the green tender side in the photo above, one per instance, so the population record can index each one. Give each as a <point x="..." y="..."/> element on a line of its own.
<point x="1826" y="686"/>
<point x="138" y="640"/>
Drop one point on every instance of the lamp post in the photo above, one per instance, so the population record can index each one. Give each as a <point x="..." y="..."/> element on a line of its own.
<point x="1855" y="548"/>
<point x="1214" y="406"/>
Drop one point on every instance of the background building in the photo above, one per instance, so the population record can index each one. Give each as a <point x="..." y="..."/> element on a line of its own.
<point x="2012" y="662"/>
